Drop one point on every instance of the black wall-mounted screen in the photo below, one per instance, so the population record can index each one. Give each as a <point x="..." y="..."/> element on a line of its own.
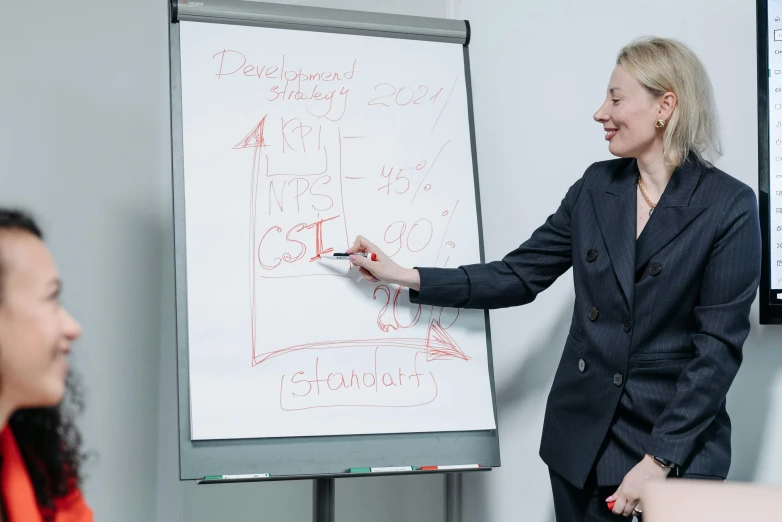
<point x="769" y="34"/>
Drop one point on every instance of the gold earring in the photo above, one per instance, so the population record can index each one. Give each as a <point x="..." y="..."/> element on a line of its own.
<point x="660" y="124"/>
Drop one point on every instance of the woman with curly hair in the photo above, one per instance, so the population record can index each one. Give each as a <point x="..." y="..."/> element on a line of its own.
<point x="39" y="445"/>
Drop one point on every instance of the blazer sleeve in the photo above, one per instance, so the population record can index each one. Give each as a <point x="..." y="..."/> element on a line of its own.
<point x="72" y="508"/>
<point x="514" y="280"/>
<point x="730" y="283"/>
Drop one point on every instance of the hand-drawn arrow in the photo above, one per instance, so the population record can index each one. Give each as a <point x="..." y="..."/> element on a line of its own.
<point x="438" y="346"/>
<point x="254" y="140"/>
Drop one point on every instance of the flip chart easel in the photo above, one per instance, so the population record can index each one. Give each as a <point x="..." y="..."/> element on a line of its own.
<point x="321" y="458"/>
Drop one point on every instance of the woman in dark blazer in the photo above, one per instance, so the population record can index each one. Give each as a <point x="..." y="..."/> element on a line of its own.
<point x="666" y="254"/>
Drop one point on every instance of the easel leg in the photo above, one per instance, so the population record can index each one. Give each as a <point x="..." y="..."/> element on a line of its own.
<point x="453" y="497"/>
<point x="323" y="500"/>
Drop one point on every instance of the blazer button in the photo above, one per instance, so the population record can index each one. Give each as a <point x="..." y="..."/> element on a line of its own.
<point x="655" y="268"/>
<point x="618" y="379"/>
<point x="593" y="313"/>
<point x="581" y="365"/>
<point x="591" y="255"/>
<point x="627" y="325"/>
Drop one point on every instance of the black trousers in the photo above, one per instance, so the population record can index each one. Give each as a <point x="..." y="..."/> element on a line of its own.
<point x="572" y="504"/>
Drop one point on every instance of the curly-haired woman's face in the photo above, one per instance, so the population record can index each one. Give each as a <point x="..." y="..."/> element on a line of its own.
<point x="35" y="329"/>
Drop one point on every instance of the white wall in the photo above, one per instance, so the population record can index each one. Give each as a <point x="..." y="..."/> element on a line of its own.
<point x="84" y="142"/>
<point x="85" y="146"/>
<point x="540" y="70"/>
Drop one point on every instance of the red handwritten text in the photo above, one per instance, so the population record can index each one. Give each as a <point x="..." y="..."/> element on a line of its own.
<point x="270" y="241"/>
<point x="376" y="383"/>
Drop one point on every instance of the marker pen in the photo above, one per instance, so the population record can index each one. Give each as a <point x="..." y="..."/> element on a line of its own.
<point x="450" y="467"/>
<point x="237" y="477"/>
<point x="373" y="257"/>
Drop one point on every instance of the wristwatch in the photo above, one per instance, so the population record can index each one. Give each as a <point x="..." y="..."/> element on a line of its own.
<point x="664" y="462"/>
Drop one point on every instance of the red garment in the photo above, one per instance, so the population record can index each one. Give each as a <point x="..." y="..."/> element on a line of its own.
<point x="19" y="496"/>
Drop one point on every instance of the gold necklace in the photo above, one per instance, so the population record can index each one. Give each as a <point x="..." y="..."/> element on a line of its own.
<point x="643" y="193"/>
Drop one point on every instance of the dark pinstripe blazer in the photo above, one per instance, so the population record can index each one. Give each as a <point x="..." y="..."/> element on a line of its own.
<point x="658" y="323"/>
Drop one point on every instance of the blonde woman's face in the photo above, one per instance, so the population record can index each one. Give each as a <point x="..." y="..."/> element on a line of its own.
<point x="628" y="116"/>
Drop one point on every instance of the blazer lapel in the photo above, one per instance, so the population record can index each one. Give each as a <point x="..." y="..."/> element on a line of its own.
<point x="673" y="212"/>
<point x="17" y="488"/>
<point x="615" y="211"/>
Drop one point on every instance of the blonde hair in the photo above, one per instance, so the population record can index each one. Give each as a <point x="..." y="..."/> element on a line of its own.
<point x="664" y="65"/>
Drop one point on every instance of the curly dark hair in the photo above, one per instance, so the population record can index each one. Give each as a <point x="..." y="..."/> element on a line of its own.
<point x="48" y="439"/>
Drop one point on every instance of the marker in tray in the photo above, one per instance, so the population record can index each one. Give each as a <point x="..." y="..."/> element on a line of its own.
<point x="390" y="469"/>
<point x="237" y="477"/>
<point x="451" y="467"/>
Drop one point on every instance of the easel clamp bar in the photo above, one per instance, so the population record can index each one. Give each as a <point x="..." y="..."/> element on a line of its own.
<point x="240" y="12"/>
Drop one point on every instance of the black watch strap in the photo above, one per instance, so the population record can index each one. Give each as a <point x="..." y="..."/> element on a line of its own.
<point x="665" y="462"/>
